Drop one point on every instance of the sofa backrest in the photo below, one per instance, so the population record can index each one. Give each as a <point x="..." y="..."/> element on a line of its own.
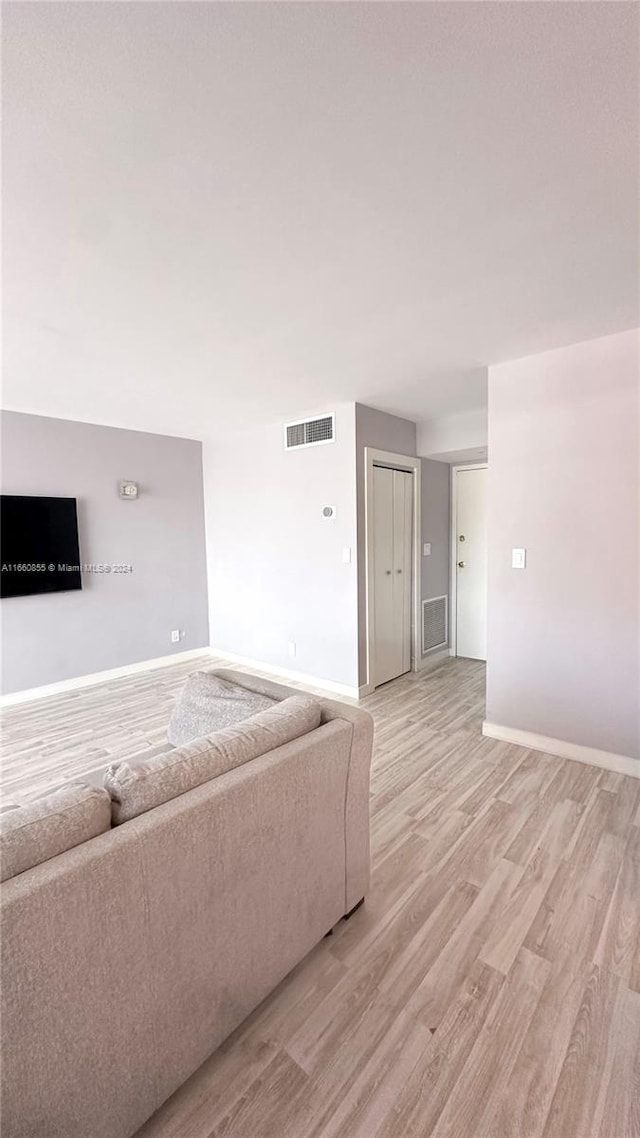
<point x="138" y="785"/>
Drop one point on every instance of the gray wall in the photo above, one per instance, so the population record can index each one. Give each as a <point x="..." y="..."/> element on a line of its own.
<point x="116" y="619"/>
<point x="383" y="432"/>
<point x="276" y="568"/>
<point x="563" y="483"/>
<point x="436" y="514"/>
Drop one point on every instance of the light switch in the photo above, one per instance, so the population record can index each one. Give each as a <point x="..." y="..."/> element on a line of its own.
<point x="426" y="549"/>
<point x="518" y="558"/>
<point x="346" y="555"/>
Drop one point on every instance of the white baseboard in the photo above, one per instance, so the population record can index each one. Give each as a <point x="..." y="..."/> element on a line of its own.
<point x="425" y="663"/>
<point x="621" y="764"/>
<point x="288" y="674"/>
<point x="47" y="690"/>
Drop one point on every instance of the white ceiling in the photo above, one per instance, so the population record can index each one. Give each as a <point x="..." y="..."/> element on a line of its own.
<point x="220" y="213"/>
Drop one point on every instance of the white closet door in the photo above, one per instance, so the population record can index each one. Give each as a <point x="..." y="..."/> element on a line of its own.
<point x="402" y="518"/>
<point x="392" y="523"/>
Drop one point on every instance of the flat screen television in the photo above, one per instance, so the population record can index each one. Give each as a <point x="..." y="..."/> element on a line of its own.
<point x="39" y="546"/>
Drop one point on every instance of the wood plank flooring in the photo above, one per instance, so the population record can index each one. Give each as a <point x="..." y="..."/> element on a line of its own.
<point x="490" y="986"/>
<point x="48" y="741"/>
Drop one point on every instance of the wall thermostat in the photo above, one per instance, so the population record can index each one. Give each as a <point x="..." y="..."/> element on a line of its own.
<point x="329" y="512"/>
<point x="128" y="490"/>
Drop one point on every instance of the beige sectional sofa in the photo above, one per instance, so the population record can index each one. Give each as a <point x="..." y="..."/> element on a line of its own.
<point x="127" y="959"/>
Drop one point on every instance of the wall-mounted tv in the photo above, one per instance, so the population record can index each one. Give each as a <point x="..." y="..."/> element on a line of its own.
<point x="39" y="546"/>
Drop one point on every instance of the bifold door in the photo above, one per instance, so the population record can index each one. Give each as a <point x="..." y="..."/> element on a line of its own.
<point x="392" y="528"/>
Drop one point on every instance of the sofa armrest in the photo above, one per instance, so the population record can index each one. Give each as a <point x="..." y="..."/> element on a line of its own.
<point x="358" y="861"/>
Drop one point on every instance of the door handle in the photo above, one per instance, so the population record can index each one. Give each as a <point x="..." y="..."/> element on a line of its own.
<point x="398" y="570"/>
<point x="388" y="572"/>
<point x="461" y="565"/>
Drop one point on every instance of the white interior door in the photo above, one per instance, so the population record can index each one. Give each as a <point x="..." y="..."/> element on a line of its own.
<point x="471" y="562"/>
<point x="392" y="524"/>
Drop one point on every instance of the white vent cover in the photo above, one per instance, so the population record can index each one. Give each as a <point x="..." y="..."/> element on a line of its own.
<point x="309" y="432"/>
<point x="434" y="623"/>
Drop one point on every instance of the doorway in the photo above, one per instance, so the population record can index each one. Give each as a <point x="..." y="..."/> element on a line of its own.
<point x="469" y="561"/>
<point x="392" y="567"/>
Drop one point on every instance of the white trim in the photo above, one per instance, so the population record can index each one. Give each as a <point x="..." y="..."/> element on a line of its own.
<point x="48" y="690"/>
<point x="287" y="673"/>
<point x="77" y="682"/>
<point x="433" y="659"/>
<point x="453" y="584"/>
<point x="621" y="764"/>
<point x="413" y="466"/>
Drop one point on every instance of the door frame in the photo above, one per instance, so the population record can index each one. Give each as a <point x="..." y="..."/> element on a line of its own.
<point x="410" y="465"/>
<point x="453" y="583"/>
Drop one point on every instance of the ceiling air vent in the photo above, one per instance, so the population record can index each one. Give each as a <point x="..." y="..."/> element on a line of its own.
<point x="309" y="432"/>
<point x="434" y="623"/>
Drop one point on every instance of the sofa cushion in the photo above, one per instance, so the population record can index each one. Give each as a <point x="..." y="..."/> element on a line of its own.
<point x="209" y="703"/>
<point x="139" y="784"/>
<point x="47" y="826"/>
<point x="262" y="685"/>
<point x="95" y="776"/>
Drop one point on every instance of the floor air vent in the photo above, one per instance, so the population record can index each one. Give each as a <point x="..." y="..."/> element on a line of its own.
<point x="309" y="432"/>
<point x="434" y="623"/>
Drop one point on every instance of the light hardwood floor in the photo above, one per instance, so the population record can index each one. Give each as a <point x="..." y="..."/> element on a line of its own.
<point x="489" y="988"/>
<point x="61" y="737"/>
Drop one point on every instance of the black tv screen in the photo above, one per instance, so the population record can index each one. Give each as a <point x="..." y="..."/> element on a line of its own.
<point x="39" y="545"/>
